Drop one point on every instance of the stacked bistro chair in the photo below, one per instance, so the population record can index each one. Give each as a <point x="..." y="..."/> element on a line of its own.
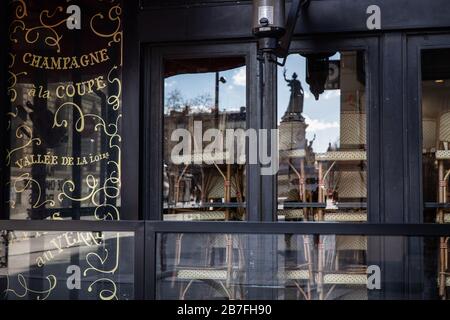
<point x="299" y="195"/>
<point x="443" y="216"/>
<point x="444" y="273"/>
<point x="292" y="153"/>
<point x="219" y="181"/>
<point x="442" y="156"/>
<point x="336" y="272"/>
<point x="301" y="275"/>
<point x="429" y="127"/>
<point x="343" y="178"/>
<point x="221" y="267"/>
<point x="342" y="173"/>
<point x="342" y="169"/>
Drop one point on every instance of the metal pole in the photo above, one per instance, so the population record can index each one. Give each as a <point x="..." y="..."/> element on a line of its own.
<point x="216" y="103"/>
<point x="269" y="122"/>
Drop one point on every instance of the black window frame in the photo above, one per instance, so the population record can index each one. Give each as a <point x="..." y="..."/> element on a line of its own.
<point x="416" y="44"/>
<point x="370" y="46"/>
<point x="153" y="96"/>
<point x="261" y="194"/>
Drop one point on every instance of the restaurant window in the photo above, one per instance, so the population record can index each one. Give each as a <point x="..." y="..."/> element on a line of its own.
<point x="204" y="111"/>
<point x="57" y="265"/>
<point x="63" y="152"/>
<point x="63" y="134"/>
<point x="322" y="115"/>
<point x="289" y="267"/>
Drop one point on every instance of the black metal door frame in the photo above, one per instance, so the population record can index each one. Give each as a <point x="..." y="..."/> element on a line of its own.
<point x="151" y="193"/>
<point x="153" y="119"/>
<point x="261" y="194"/>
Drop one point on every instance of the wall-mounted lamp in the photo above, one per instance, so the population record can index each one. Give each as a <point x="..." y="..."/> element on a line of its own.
<point x="317" y="71"/>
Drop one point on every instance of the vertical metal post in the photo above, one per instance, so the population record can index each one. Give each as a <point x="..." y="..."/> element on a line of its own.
<point x="4" y="170"/>
<point x="216" y="103"/>
<point x="150" y="263"/>
<point x="266" y="245"/>
<point x="269" y="122"/>
<point x="321" y="190"/>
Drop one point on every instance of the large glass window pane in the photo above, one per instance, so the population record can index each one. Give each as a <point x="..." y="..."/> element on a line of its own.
<point x="322" y="146"/>
<point x="288" y="266"/>
<point x="204" y="105"/>
<point x="64" y="120"/>
<point x="53" y="265"/>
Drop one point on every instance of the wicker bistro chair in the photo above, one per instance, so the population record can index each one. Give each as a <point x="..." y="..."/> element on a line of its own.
<point x="224" y="184"/>
<point x="223" y="276"/>
<point x="348" y="184"/>
<point x="442" y="156"/>
<point x="291" y="215"/>
<point x="301" y="275"/>
<point x="429" y="127"/>
<point x="444" y="272"/>
<point x="442" y="215"/>
<point x="297" y="194"/>
<point x="197" y="216"/>
<point x="289" y="157"/>
<point x="343" y="175"/>
<point x="353" y="129"/>
<point x="333" y="273"/>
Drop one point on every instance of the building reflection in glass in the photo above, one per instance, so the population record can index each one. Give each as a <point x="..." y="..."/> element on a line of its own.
<point x="200" y="95"/>
<point x="323" y="148"/>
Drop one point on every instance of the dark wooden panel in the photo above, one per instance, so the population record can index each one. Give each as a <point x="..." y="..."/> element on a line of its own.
<point x="232" y="20"/>
<point x="131" y="115"/>
<point x="4" y="100"/>
<point x="392" y="129"/>
<point x="151" y="4"/>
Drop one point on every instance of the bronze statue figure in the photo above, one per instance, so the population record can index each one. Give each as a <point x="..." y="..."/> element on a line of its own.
<point x="295" y="108"/>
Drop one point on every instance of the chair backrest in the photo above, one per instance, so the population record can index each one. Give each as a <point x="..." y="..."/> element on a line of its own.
<point x="351" y="243"/>
<point x="444" y="127"/>
<point x="429" y="127"/>
<point x="223" y="241"/>
<point x="352" y="184"/>
<point x="214" y="241"/>
<point x="353" y="129"/>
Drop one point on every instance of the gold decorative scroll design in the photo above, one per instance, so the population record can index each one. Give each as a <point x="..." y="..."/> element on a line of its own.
<point x="33" y="34"/>
<point x="24" y="182"/>
<point x="110" y="189"/>
<point x="12" y="80"/>
<point x="25" y="133"/>
<point x="48" y="32"/>
<point x="40" y="294"/>
<point x="114" y="15"/>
